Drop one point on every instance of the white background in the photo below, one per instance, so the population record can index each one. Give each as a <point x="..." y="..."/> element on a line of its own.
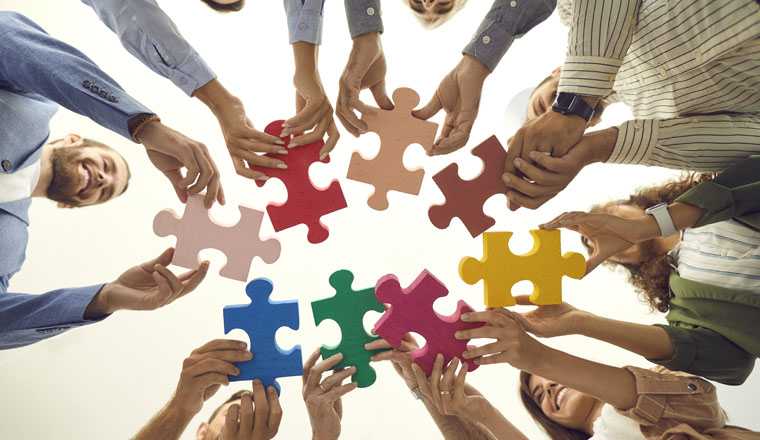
<point x="106" y="380"/>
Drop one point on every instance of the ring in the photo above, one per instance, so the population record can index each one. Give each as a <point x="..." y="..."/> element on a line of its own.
<point x="323" y="388"/>
<point x="445" y="392"/>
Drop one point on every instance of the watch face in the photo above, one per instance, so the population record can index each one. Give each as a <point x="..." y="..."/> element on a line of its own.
<point x="565" y="99"/>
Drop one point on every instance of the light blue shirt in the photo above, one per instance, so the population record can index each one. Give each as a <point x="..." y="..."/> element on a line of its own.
<point x="305" y="20"/>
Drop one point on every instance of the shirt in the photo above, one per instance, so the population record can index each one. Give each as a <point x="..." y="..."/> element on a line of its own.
<point x="304" y="20"/>
<point x="689" y="71"/>
<point x="611" y="425"/>
<point x="19" y="185"/>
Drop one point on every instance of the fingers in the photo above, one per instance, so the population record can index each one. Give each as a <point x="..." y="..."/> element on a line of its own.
<point x="381" y="96"/>
<point x="516" y="200"/>
<point x="488" y="316"/>
<point x="247" y="413"/>
<point x="337" y="377"/>
<point x="164" y="259"/>
<point x="275" y="411"/>
<point x="455" y="140"/>
<point x="231" y="422"/>
<point x="196" y="279"/>
<point x="310" y="362"/>
<point x="315" y="373"/>
<point x="261" y="415"/>
<point x="175" y="176"/>
<point x="345" y="111"/>
<point x="212" y="365"/>
<point x="315" y="135"/>
<point x="337" y="392"/>
<point x="310" y="116"/>
<point x="242" y="170"/>
<point x="430" y="109"/>
<point x="332" y="139"/>
<point x="220" y="344"/>
<point x="378" y="344"/>
<point x="492" y="348"/>
<point x="523" y="300"/>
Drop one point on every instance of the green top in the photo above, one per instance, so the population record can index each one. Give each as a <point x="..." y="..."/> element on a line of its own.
<point x="715" y="331"/>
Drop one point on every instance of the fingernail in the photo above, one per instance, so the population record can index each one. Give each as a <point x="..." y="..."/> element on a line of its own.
<point x="366" y="345"/>
<point x="506" y="178"/>
<point x="533" y="155"/>
<point x="518" y="163"/>
<point x="510" y="196"/>
<point x="458" y="335"/>
<point x="293" y="144"/>
<point x="240" y="344"/>
<point x="282" y="166"/>
<point x="257" y="381"/>
<point x="279" y="142"/>
<point x="283" y="151"/>
<point x="352" y="368"/>
<point x="262" y="178"/>
<point x="248" y="355"/>
<point x="236" y="371"/>
<point x="466" y="355"/>
<point x="465" y="317"/>
<point x="439" y="356"/>
<point x="285" y="124"/>
<point x="322" y="156"/>
<point x="456" y="361"/>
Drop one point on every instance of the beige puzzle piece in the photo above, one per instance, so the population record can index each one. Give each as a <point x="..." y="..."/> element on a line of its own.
<point x="397" y="130"/>
<point x="543" y="265"/>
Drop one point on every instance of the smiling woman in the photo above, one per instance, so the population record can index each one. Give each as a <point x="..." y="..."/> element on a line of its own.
<point x="433" y="13"/>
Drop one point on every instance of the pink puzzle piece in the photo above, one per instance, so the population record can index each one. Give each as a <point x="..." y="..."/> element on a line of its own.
<point x="306" y="203"/>
<point x="196" y="231"/>
<point x="397" y="130"/>
<point x="465" y="198"/>
<point x="411" y="310"/>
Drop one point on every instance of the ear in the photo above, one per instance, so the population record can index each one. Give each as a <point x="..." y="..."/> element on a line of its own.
<point x="201" y="431"/>
<point x="72" y="140"/>
<point x="557" y="70"/>
<point x="65" y="206"/>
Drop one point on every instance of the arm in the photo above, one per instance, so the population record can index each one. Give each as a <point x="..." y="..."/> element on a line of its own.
<point x="650" y="341"/>
<point x="168" y="424"/>
<point x="304" y="20"/>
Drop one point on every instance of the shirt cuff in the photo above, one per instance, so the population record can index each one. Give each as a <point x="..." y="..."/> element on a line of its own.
<point x="588" y="76"/>
<point x="305" y="26"/>
<point x="364" y="17"/>
<point x="490" y="45"/>
<point x="636" y="142"/>
<point x="683" y="346"/>
<point x="191" y="75"/>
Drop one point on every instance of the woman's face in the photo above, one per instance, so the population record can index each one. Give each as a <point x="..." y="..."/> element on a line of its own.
<point x="434" y="9"/>
<point x="566" y="406"/>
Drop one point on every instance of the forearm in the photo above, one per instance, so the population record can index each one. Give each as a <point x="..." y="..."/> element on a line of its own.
<point x="215" y="96"/>
<point x="305" y="56"/>
<point x="649" y="341"/>
<point x="167" y="424"/>
<point x="456" y="427"/>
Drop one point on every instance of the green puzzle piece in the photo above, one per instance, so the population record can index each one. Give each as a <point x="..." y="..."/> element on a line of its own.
<point x="347" y="308"/>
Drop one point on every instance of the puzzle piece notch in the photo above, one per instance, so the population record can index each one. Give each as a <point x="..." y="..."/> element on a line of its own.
<point x="543" y="266"/>
<point x="397" y="130"/>
<point x="412" y="310"/>
<point x="347" y="308"/>
<point x="260" y="320"/>
<point x="196" y="230"/>
<point x="465" y="198"/>
<point x="306" y="202"/>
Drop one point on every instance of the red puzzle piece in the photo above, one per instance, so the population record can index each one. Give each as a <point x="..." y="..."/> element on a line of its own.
<point x="465" y="198"/>
<point x="306" y="203"/>
<point x="412" y="311"/>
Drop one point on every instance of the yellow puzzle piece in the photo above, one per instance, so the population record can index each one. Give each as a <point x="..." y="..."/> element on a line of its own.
<point x="543" y="266"/>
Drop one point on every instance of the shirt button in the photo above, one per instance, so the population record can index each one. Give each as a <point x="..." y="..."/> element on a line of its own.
<point x="637" y="125"/>
<point x="663" y="73"/>
<point x="698" y="56"/>
<point x="370" y="11"/>
<point x="724" y="253"/>
<point x="486" y="39"/>
<point x="6" y="165"/>
<point x="303" y="26"/>
<point x="692" y="387"/>
<point x="513" y="3"/>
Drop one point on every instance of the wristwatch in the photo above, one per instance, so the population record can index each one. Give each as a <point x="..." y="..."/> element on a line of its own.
<point x="418" y="394"/>
<point x="572" y="104"/>
<point x="662" y="217"/>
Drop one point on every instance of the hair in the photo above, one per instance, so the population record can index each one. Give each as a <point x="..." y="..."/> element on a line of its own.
<point x="438" y="20"/>
<point x="552" y="428"/>
<point x="232" y="7"/>
<point x="86" y="142"/>
<point x="651" y="276"/>
<point x="235" y="396"/>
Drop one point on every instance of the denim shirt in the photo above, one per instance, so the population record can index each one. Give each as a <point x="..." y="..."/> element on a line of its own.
<point x="304" y="20"/>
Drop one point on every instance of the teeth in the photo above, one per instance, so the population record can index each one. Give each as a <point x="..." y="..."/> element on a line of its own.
<point x="560" y="395"/>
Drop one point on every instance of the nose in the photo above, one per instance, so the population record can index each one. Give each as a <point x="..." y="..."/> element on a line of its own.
<point x="550" y="388"/>
<point x="429" y="4"/>
<point x="102" y="179"/>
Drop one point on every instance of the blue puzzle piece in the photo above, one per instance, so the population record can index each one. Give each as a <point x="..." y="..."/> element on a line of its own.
<point x="261" y="319"/>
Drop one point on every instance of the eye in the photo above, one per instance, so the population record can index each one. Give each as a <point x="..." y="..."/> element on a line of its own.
<point x="105" y="166"/>
<point x="540" y="397"/>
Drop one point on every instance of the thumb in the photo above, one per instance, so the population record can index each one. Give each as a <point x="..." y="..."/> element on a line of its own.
<point x="381" y="96"/>
<point x="432" y="107"/>
<point x="164" y="259"/>
<point x="523" y="300"/>
<point x="593" y="261"/>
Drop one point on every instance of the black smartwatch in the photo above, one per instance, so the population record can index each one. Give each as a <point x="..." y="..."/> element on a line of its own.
<point x="572" y="104"/>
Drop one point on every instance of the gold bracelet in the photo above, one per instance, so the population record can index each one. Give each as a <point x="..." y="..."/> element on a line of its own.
<point x="140" y="125"/>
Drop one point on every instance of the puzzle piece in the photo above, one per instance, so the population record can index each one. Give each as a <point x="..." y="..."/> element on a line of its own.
<point x="543" y="266"/>
<point x="306" y="203"/>
<point x="196" y="230"/>
<point x="261" y="319"/>
<point x="347" y="308"/>
<point x="412" y="311"/>
<point x="465" y="198"/>
<point x="397" y="129"/>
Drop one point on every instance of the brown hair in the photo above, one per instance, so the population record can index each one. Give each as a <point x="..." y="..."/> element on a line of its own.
<point x="552" y="428"/>
<point x="235" y="396"/>
<point x="651" y="276"/>
<point x="232" y="7"/>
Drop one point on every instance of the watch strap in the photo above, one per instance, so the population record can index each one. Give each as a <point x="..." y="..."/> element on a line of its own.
<point x="418" y="394"/>
<point x="663" y="219"/>
<point x="570" y="103"/>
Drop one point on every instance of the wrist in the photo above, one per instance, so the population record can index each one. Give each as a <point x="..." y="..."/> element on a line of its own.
<point x="98" y="306"/>
<point x="607" y="139"/>
<point x="305" y="57"/>
<point x="175" y="410"/>
<point x="476" y="66"/>
<point x="647" y="228"/>
<point x="214" y="95"/>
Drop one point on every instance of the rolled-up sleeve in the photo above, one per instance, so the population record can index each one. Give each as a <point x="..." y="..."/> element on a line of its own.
<point x="364" y="16"/>
<point x="304" y="20"/>
<point x="150" y="35"/>
<point x="507" y="20"/>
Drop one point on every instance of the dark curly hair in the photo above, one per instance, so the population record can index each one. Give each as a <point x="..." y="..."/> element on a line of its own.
<point x="650" y="277"/>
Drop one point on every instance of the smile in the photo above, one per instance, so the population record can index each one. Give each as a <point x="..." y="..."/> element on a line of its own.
<point x="559" y="397"/>
<point x="87" y="179"/>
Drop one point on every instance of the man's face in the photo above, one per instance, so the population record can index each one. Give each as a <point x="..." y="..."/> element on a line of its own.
<point x="86" y="175"/>
<point x="543" y="97"/>
<point x="432" y="8"/>
<point x="217" y="423"/>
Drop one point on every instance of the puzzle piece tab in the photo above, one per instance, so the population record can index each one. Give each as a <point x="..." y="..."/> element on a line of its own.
<point x="465" y="198"/>
<point x="412" y="311"/>
<point x="347" y="308"/>
<point x="543" y="266"/>
<point x="306" y="203"/>
<point x="261" y="319"/>
<point x="196" y="231"/>
<point x="397" y="130"/>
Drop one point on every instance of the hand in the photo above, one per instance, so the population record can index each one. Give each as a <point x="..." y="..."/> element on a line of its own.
<point x="244" y="142"/>
<point x="365" y="69"/>
<point x="323" y="399"/>
<point x="170" y="151"/>
<point x="205" y="370"/>
<point x="243" y="422"/>
<point x="448" y="393"/>
<point x="145" y="287"/>
<point x="512" y="346"/>
<point x="551" y="320"/>
<point x="459" y="95"/>
<point x="314" y="111"/>
<point x="401" y="358"/>
<point x="608" y="234"/>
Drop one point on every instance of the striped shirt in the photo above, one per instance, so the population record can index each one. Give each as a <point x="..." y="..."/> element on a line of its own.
<point x="725" y="254"/>
<point x="689" y="70"/>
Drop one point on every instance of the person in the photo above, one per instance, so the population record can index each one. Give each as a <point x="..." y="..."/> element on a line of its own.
<point x="687" y="73"/>
<point x="433" y="13"/>
<point x="706" y="278"/>
<point x="459" y="91"/>
<point x="75" y="171"/>
<point x="171" y="56"/>
<point x="574" y="398"/>
<point x="245" y="415"/>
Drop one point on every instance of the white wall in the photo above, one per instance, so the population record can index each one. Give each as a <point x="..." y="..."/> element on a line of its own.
<point x="106" y="380"/>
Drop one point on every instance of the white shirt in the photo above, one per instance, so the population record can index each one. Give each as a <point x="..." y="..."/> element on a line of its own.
<point x="20" y="184"/>
<point x="611" y="425"/>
